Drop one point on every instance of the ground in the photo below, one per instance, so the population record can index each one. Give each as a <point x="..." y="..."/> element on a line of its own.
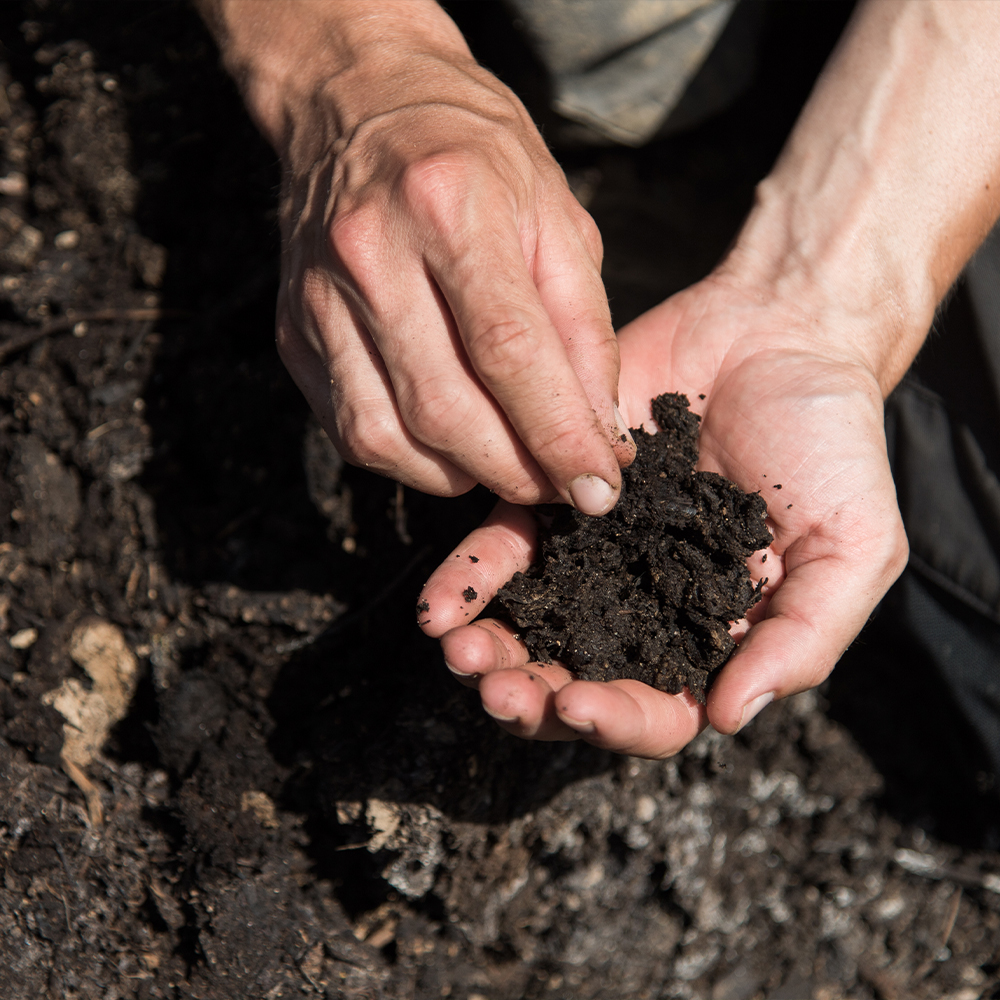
<point x="296" y="798"/>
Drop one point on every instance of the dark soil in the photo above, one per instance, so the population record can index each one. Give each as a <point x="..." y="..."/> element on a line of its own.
<point x="649" y="591"/>
<point x="299" y="800"/>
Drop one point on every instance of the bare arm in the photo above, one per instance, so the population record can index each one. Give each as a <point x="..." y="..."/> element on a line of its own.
<point x="886" y="186"/>
<point x="889" y="181"/>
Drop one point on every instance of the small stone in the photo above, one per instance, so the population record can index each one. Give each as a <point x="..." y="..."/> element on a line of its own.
<point x="24" y="639"/>
<point x="645" y="808"/>
<point x="69" y="239"/>
<point x="15" y="185"/>
<point x="262" y="806"/>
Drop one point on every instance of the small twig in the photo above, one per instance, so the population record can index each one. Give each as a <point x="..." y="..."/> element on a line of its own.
<point x="881" y="980"/>
<point x="949" y="923"/>
<point x="400" y="513"/>
<point x="927" y="866"/>
<point x="19" y="342"/>
<point x="69" y="872"/>
<point x="91" y="793"/>
<point x="136" y="345"/>
<point x="942" y="954"/>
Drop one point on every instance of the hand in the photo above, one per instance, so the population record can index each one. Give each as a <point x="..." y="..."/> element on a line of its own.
<point x="441" y="304"/>
<point x="778" y="409"/>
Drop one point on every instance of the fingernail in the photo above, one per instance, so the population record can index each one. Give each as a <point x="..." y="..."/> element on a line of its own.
<point x="498" y="716"/>
<point x="623" y="430"/>
<point x="459" y="673"/>
<point x="751" y="708"/>
<point x="591" y="495"/>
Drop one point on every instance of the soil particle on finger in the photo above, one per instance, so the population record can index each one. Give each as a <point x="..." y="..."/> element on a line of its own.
<point x="469" y="594"/>
<point x="648" y="591"/>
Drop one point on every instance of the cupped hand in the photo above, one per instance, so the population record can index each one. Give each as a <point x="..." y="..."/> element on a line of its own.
<point x="441" y="304"/>
<point x="785" y="410"/>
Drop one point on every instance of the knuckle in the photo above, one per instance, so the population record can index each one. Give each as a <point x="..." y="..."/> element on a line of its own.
<point x="902" y="543"/>
<point x="563" y="437"/>
<point x="448" y="191"/>
<point x="355" y="234"/>
<point x="605" y="355"/>
<point x="591" y="235"/>
<point x="435" y="414"/>
<point x="521" y="489"/>
<point x="504" y="345"/>
<point x="295" y="347"/>
<point x="435" y="185"/>
<point x="370" y="436"/>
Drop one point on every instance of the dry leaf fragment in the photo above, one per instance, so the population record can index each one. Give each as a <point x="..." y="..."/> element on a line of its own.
<point x="100" y="649"/>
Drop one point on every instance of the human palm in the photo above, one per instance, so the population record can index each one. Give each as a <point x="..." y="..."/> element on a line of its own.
<point x="780" y="414"/>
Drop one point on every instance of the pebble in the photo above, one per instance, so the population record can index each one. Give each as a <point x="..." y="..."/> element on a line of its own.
<point x="24" y="639"/>
<point x="69" y="239"/>
<point x="14" y="184"/>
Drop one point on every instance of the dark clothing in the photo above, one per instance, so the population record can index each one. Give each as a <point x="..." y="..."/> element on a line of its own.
<point x="943" y="429"/>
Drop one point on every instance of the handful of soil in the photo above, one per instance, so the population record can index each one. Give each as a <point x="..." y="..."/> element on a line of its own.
<point x="647" y="591"/>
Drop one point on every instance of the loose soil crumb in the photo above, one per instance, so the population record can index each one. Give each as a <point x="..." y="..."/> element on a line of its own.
<point x="648" y="591"/>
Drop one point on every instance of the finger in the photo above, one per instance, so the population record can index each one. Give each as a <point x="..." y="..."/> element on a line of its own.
<point x="630" y="717"/>
<point x="472" y="651"/>
<point x="337" y="367"/>
<point x="523" y="702"/>
<point x="440" y="398"/>
<point x="515" y="692"/>
<point x="521" y="359"/>
<point x="812" y="618"/>
<point x="567" y="274"/>
<point x="443" y="402"/>
<point x="471" y="575"/>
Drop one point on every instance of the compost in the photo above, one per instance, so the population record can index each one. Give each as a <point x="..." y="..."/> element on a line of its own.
<point x="231" y="765"/>
<point x="649" y="591"/>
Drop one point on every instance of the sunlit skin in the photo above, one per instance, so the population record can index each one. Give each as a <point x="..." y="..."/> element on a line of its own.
<point x="793" y="342"/>
<point x="832" y="521"/>
<point x="441" y="308"/>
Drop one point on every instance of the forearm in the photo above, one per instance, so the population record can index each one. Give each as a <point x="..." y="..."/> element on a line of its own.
<point x="311" y="70"/>
<point x="889" y="181"/>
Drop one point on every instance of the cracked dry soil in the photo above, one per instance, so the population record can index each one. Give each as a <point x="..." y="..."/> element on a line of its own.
<point x="296" y="798"/>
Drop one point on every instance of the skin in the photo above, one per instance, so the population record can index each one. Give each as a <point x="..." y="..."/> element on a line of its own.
<point x="441" y="304"/>
<point x="441" y="296"/>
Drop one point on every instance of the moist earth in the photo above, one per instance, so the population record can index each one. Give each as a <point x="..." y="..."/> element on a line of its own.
<point x="298" y="800"/>
<point x="649" y="591"/>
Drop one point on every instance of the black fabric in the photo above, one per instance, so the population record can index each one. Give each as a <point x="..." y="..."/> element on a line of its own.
<point x="943" y="431"/>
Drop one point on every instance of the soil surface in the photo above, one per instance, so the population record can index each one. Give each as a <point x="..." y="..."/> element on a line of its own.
<point x="649" y="591"/>
<point x="231" y="766"/>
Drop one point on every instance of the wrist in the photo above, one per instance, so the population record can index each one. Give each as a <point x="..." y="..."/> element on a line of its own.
<point x="888" y="183"/>
<point x="845" y="287"/>
<point x="310" y="72"/>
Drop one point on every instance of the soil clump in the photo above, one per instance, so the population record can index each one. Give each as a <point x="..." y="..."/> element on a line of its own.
<point x="648" y="591"/>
